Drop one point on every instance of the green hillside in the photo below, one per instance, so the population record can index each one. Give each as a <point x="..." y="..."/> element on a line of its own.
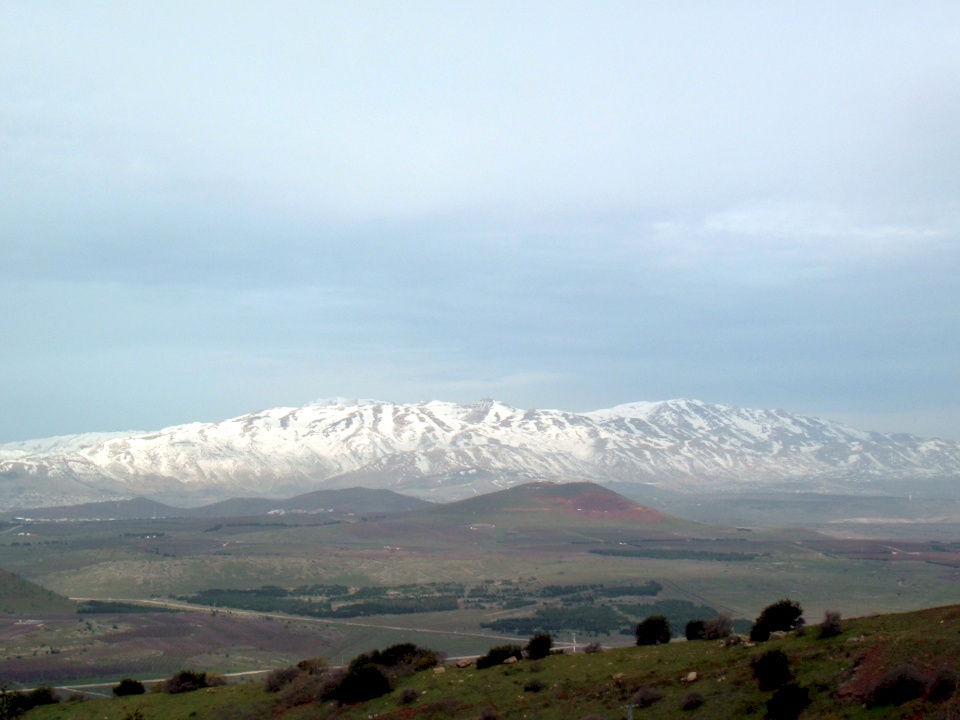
<point x="838" y="677"/>
<point x="22" y="597"/>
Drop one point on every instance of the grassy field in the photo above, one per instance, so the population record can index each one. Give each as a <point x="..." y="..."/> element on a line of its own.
<point x="838" y="674"/>
<point x="526" y="535"/>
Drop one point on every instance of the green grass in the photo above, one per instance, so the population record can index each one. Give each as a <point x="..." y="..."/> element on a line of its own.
<point x="838" y="672"/>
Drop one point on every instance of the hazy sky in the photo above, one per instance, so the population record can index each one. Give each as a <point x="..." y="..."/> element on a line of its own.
<point x="209" y="208"/>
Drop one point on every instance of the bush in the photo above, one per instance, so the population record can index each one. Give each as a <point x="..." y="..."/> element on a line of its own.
<point x="14" y="704"/>
<point x="718" y="627"/>
<point x="185" y="681"/>
<point x="401" y="657"/>
<point x="654" y="630"/>
<point x="645" y="697"/>
<point x="497" y="655"/>
<point x="409" y="696"/>
<point x="692" y="702"/>
<point x="277" y="679"/>
<point x="772" y="669"/>
<point x="831" y="625"/>
<point x="898" y="686"/>
<point x="788" y="702"/>
<point x="593" y="647"/>
<point x="943" y="687"/>
<point x="783" y="615"/>
<point x="759" y="632"/>
<point x="534" y="686"/>
<point x="361" y="683"/>
<point x="489" y="713"/>
<point x="313" y="666"/>
<point x="307" y="688"/>
<point x="539" y="646"/>
<point x="695" y="630"/>
<point x="129" y="686"/>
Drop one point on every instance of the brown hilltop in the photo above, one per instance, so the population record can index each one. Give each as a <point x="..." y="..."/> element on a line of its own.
<point x="583" y="500"/>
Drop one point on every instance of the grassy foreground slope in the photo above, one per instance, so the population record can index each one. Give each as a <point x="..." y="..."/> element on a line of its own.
<point x="839" y="675"/>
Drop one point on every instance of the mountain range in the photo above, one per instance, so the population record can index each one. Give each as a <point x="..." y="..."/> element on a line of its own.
<point x="445" y="451"/>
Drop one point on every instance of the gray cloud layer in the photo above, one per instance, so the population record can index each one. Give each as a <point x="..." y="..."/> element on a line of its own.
<point x="209" y="209"/>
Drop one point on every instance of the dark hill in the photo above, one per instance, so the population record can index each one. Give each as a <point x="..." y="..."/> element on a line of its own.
<point x="350" y="500"/>
<point x="132" y="509"/>
<point x="355" y="500"/>
<point x="22" y="597"/>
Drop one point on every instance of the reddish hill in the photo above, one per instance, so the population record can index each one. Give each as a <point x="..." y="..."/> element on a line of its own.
<point x="583" y="500"/>
<point x="597" y="503"/>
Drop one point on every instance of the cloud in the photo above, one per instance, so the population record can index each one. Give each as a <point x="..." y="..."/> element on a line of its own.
<point x="572" y="206"/>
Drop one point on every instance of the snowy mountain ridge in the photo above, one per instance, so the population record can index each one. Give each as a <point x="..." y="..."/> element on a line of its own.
<point x="443" y="450"/>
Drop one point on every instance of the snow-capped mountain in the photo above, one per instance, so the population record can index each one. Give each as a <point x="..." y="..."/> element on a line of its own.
<point x="441" y="450"/>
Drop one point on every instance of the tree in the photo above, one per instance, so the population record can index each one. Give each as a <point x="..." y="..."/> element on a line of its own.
<point x="782" y="615"/>
<point x="498" y="655"/>
<point x="539" y="646"/>
<point x="654" y="630"/>
<point x="772" y="669"/>
<point x="128" y="686"/>
<point x="185" y="681"/>
<point x="695" y="630"/>
<point x="831" y="625"/>
<point x="718" y="627"/>
<point x="361" y="683"/>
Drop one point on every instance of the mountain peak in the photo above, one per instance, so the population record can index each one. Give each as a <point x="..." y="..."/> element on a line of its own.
<point x="442" y="450"/>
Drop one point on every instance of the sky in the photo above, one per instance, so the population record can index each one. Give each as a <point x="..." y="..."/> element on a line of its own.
<point x="209" y="208"/>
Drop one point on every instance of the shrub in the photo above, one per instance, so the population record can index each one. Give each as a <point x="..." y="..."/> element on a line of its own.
<point x="593" y="647"/>
<point x="788" y="702"/>
<point x="900" y="685"/>
<point x="695" y="630"/>
<point x="943" y="687"/>
<point x="361" y="683"/>
<point x="409" y="696"/>
<point x="783" y="615"/>
<point x="129" y="686"/>
<point x="276" y="679"/>
<point x="831" y="625"/>
<point x="539" y="646"/>
<point x="14" y="704"/>
<point x="185" y="681"/>
<point x="397" y="655"/>
<point x="535" y="685"/>
<point x="645" y="697"/>
<point x="692" y="702"/>
<point x="307" y="688"/>
<point x="772" y="669"/>
<point x="313" y="666"/>
<point x="497" y="655"/>
<point x="719" y="627"/>
<point x="402" y="657"/>
<point x="759" y="632"/>
<point x="489" y="713"/>
<point x="654" y="630"/>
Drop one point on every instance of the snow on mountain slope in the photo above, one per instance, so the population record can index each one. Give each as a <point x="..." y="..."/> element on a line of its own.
<point x="446" y="451"/>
